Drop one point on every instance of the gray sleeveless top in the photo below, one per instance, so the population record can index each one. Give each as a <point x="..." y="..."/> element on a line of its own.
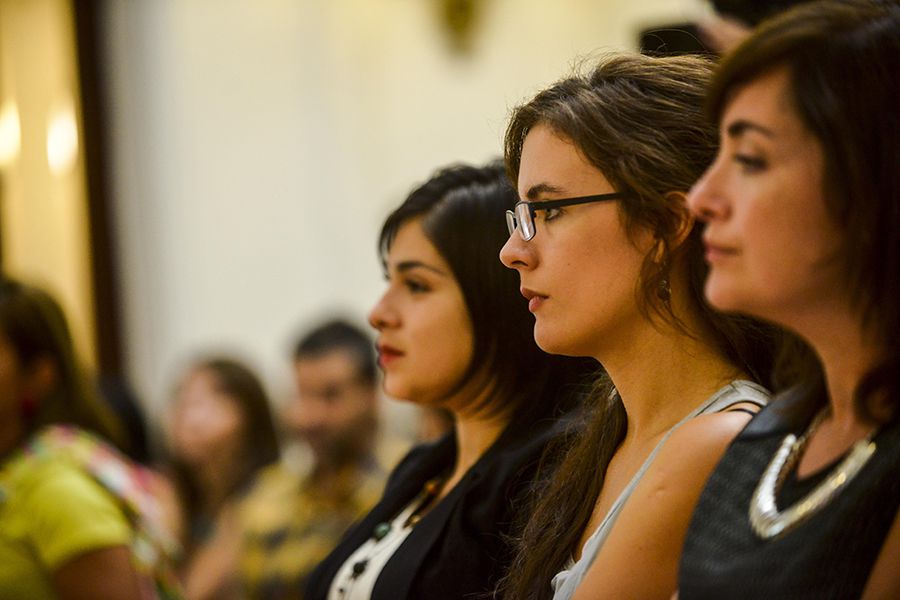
<point x="739" y="391"/>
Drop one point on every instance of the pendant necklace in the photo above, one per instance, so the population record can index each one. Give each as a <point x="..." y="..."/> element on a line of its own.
<point x="765" y="518"/>
<point x="426" y="497"/>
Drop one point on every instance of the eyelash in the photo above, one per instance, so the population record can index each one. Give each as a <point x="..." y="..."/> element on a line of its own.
<point x="750" y="164"/>
<point x="551" y="213"/>
<point x="416" y="287"/>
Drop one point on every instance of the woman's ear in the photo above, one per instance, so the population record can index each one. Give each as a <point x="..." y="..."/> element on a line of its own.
<point x="665" y="246"/>
<point x="41" y="377"/>
<point x="677" y="202"/>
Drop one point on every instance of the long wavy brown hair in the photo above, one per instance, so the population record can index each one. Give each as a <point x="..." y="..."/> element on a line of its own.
<point x="640" y="121"/>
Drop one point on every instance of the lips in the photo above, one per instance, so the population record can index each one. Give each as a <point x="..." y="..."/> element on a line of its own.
<point x="716" y="252"/>
<point x="535" y="299"/>
<point x="387" y="355"/>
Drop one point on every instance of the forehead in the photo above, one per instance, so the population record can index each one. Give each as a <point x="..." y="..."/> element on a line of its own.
<point x="202" y="386"/>
<point x="551" y="160"/>
<point x="334" y="364"/>
<point x="412" y="245"/>
<point x="765" y="100"/>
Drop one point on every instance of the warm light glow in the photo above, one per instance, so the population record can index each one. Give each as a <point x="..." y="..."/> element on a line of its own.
<point x="62" y="138"/>
<point x="10" y="133"/>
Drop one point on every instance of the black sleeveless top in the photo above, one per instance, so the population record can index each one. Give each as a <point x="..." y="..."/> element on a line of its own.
<point x="828" y="555"/>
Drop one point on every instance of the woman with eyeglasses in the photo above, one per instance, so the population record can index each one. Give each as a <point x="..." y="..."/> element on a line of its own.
<point x="611" y="262"/>
<point x="454" y="333"/>
<point x="802" y="207"/>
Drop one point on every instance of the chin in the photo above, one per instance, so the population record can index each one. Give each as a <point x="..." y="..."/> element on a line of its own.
<point x="549" y="341"/>
<point x="394" y="389"/>
<point x="719" y="293"/>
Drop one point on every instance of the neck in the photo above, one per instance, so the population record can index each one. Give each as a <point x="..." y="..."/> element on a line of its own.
<point x="215" y="482"/>
<point x="847" y="354"/>
<point x="330" y="466"/>
<point x="662" y="374"/>
<point x="475" y="433"/>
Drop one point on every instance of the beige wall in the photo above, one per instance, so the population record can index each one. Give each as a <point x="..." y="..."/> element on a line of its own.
<point x="260" y="143"/>
<point x="44" y="204"/>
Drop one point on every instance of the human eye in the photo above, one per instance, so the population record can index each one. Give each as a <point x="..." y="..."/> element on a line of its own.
<point x="750" y="162"/>
<point x="416" y="286"/>
<point x="551" y="213"/>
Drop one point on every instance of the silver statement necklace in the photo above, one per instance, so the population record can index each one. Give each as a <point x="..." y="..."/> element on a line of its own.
<point x="765" y="518"/>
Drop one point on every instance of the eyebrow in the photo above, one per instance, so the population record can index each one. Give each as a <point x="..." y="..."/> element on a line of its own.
<point x="742" y="126"/>
<point x="535" y="191"/>
<point x="408" y="265"/>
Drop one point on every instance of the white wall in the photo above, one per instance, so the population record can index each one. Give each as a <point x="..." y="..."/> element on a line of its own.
<point x="258" y="144"/>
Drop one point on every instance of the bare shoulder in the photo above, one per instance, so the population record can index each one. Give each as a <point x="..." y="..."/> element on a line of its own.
<point x="654" y="521"/>
<point x="884" y="581"/>
<point x="700" y="441"/>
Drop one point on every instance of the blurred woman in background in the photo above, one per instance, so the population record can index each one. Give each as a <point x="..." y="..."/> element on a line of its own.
<point x="221" y="436"/>
<point x="454" y="333"/>
<point x="77" y="519"/>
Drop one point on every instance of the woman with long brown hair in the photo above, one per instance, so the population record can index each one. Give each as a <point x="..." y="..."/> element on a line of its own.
<point x="222" y="435"/>
<point x="611" y="261"/>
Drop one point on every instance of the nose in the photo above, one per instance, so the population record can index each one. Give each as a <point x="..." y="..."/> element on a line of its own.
<point x="707" y="199"/>
<point x="305" y="413"/>
<point x="518" y="254"/>
<point x="383" y="315"/>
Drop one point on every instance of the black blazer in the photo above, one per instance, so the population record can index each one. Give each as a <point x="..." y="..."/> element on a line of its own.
<point x="459" y="549"/>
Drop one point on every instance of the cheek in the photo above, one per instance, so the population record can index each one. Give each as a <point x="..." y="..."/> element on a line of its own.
<point x="212" y="428"/>
<point x="594" y="290"/>
<point x="441" y="350"/>
<point x="786" y="260"/>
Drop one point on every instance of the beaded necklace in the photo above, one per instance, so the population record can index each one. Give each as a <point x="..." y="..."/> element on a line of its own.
<point x="430" y="491"/>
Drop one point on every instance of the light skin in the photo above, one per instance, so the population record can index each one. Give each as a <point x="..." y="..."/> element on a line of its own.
<point x="334" y="410"/>
<point x="206" y="429"/>
<point x="104" y="574"/>
<point x="722" y="33"/>
<point x="425" y="342"/>
<point x="584" y="266"/>
<point x="764" y="200"/>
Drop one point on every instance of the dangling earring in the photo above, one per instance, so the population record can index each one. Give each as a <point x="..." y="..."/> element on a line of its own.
<point x="664" y="290"/>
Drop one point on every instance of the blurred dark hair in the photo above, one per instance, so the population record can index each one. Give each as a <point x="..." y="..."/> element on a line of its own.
<point x="753" y="12"/>
<point x="340" y="335"/>
<point x="639" y="120"/>
<point x="124" y="403"/>
<point x="34" y="325"/>
<point x="843" y="59"/>
<point x="462" y="211"/>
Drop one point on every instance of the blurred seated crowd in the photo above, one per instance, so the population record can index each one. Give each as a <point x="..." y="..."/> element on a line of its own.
<point x="213" y="509"/>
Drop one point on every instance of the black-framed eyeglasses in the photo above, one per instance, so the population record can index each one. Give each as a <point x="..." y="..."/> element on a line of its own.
<point x="521" y="217"/>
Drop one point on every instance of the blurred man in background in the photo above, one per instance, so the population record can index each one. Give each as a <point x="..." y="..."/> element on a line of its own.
<point x="294" y="521"/>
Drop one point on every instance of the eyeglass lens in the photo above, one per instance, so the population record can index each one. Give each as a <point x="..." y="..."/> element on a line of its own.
<point x="521" y="218"/>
